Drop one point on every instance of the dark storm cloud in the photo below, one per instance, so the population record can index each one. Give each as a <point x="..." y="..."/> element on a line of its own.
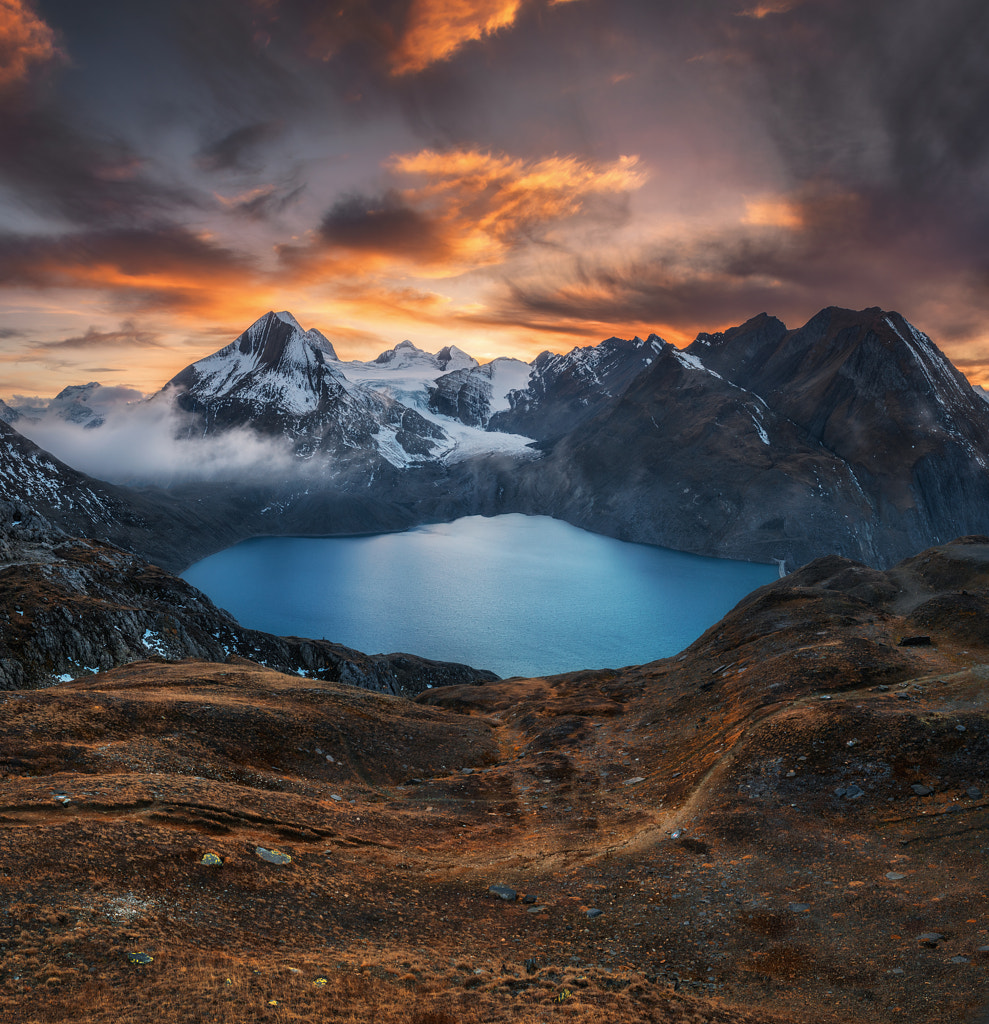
<point x="57" y="171"/>
<point x="886" y="101"/>
<point x="135" y="252"/>
<point x="891" y="88"/>
<point x="237" y="150"/>
<point x="382" y="224"/>
<point x="56" y="164"/>
<point x="864" y="122"/>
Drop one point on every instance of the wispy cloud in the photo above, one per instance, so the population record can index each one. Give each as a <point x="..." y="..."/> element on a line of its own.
<point x="438" y="28"/>
<point x="768" y="7"/>
<point x="129" y="336"/>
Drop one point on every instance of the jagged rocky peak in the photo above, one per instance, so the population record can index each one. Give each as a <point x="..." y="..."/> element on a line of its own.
<point x="406" y="354"/>
<point x="564" y="390"/>
<point x="273" y="363"/>
<point x="276" y="336"/>
<point x="452" y="358"/>
<point x="282" y="381"/>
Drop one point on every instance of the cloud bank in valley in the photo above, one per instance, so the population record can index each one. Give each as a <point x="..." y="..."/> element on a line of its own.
<point x="148" y="442"/>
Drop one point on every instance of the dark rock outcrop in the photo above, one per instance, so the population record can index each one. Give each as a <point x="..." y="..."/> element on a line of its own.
<point x="70" y="606"/>
<point x="464" y="394"/>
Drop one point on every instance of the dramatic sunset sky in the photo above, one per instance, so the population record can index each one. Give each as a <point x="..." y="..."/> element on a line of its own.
<point x="505" y="175"/>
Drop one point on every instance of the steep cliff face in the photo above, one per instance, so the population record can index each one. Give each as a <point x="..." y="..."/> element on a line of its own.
<point x="879" y="394"/>
<point x="687" y="460"/>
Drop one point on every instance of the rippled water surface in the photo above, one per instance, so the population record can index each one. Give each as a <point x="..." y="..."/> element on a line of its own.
<point x="520" y="595"/>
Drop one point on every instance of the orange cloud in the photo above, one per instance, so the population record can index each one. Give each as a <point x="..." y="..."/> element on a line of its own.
<point x="165" y="269"/>
<point x="460" y="210"/>
<point x="767" y="7"/>
<point x="773" y="211"/>
<point x="438" y="28"/>
<point x="26" y="42"/>
<point x="487" y="202"/>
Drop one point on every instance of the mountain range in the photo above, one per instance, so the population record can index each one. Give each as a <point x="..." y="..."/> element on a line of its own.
<point x="852" y="434"/>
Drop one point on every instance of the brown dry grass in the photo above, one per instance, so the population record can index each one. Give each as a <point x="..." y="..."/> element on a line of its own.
<point x="217" y="988"/>
<point x="521" y="783"/>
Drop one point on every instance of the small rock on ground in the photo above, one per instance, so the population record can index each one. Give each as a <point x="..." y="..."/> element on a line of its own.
<point x="272" y="856"/>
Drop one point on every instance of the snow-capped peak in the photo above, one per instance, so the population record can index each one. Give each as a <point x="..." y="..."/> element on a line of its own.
<point x="451" y="358"/>
<point x="405" y="355"/>
<point x="286" y="318"/>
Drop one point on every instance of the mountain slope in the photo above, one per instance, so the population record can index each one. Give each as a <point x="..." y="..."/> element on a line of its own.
<point x="35" y="482"/>
<point x="564" y="390"/>
<point x="877" y="392"/>
<point x="283" y="382"/>
<point x="852" y="435"/>
<point x="785" y="824"/>
<point x="687" y="460"/>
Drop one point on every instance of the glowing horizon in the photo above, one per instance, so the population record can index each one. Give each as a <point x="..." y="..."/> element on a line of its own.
<point x="508" y="176"/>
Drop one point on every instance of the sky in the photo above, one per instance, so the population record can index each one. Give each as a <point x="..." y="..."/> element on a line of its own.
<point x="505" y="175"/>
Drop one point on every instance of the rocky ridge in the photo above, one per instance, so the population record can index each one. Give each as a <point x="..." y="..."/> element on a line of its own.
<point x="565" y="390"/>
<point x="72" y="607"/>
<point x="852" y="434"/>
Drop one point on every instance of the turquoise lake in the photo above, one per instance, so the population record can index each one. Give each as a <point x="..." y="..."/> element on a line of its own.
<point x="519" y="595"/>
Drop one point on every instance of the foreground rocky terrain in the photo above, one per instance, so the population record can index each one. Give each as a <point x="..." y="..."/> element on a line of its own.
<point x="786" y="822"/>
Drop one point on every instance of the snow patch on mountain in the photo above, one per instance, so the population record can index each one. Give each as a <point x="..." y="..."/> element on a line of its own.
<point x="691" y="362"/>
<point x="507" y="375"/>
